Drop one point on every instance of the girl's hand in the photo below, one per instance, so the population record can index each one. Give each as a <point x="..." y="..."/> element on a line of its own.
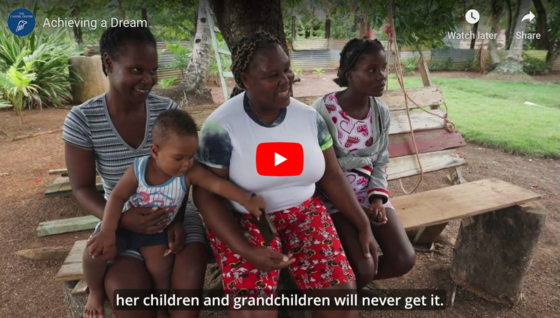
<point x="255" y="205"/>
<point x="145" y="220"/>
<point x="101" y="243"/>
<point x="377" y="215"/>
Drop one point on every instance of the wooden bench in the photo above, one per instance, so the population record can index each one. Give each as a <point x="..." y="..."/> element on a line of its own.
<point x="425" y="214"/>
<point x="61" y="185"/>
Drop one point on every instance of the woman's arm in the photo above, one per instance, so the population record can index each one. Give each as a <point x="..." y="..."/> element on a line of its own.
<point x="340" y="193"/>
<point x="219" y="219"/>
<point x="335" y="185"/>
<point x="81" y="171"/>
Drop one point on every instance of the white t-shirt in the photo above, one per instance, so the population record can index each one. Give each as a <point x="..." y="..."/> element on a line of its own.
<point x="229" y="140"/>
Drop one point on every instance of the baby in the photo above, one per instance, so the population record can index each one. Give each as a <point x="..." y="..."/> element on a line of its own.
<point x="162" y="180"/>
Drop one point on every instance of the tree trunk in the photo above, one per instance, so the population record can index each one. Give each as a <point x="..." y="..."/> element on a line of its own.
<point x="145" y="15"/>
<point x="328" y="28"/>
<point x="237" y="19"/>
<point x="493" y="253"/>
<point x="475" y="32"/>
<point x="77" y="28"/>
<point x="513" y="64"/>
<point x="542" y="43"/>
<point x="509" y="35"/>
<point x="510" y="24"/>
<point x="497" y="10"/>
<point x="121" y="9"/>
<point x="194" y="82"/>
<point x="553" y="54"/>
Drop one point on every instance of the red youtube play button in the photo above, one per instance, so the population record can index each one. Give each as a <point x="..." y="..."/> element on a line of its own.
<point x="279" y="159"/>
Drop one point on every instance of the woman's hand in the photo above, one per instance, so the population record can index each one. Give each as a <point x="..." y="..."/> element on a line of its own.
<point x="369" y="244"/>
<point x="101" y="243"/>
<point x="255" y="205"/>
<point x="145" y="220"/>
<point x="376" y="213"/>
<point x="175" y="237"/>
<point x="267" y="260"/>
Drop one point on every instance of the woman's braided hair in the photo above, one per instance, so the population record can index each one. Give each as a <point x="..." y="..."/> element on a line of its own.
<point x="350" y="55"/>
<point x="115" y="38"/>
<point x="243" y="52"/>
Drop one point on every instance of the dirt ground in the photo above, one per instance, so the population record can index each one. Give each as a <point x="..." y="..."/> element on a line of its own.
<point x="27" y="288"/>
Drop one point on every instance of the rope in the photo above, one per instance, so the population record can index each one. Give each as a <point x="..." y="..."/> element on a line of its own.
<point x="449" y="125"/>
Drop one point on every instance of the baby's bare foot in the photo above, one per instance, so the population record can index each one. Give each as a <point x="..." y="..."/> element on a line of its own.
<point x="95" y="305"/>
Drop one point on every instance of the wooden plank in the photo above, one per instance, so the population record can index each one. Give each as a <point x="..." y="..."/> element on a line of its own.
<point x="423" y="96"/>
<point x="407" y="166"/>
<point x="80" y="287"/>
<point x="72" y="267"/>
<point x="76" y="224"/>
<point x="420" y="121"/>
<point x="67" y="272"/>
<point x="58" y="171"/>
<point x="61" y="187"/>
<point x="458" y="201"/>
<point x="426" y="141"/>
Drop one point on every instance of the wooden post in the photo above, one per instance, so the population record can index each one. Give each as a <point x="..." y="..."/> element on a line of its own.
<point x="328" y="28"/>
<point x="493" y="255"/>
<point x="425" y="73"/>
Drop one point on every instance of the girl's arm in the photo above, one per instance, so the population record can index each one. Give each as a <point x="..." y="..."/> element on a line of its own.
<point x="121" y="193"/>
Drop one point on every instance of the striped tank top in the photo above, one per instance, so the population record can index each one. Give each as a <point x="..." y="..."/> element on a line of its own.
<point x="89" y="126"/>
<point x="167" y="195"/>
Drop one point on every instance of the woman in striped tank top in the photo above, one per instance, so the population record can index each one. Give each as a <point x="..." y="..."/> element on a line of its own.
<point x="160" y="180"/>
<point x="105" y="135"/>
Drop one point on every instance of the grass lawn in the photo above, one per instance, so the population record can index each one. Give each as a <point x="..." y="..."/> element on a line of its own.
<point x="492" y="113"/>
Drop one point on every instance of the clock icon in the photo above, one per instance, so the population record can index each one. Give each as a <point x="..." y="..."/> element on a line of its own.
<point x="472" y="16"/>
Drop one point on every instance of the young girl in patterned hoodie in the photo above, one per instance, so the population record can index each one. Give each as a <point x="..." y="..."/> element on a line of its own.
<point x="359" y="124"/>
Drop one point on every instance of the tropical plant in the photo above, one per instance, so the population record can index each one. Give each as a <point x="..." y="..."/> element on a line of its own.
<point x="297" y="70"/>
<point x="182" y="56"/>
<point x="319" y="71"/>
<point x="166" y="83"/>
<point x="17" y="85"/>
<point x="45" y="53"/>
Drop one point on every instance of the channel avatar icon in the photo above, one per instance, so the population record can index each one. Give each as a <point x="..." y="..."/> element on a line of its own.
<point x="21" y="22"/>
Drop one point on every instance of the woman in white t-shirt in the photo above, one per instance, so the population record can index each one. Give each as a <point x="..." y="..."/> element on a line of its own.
<point x="260" y="112"/>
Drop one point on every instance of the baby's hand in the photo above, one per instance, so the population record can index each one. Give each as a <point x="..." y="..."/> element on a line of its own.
<point x="255" y="205"/>
<point x="101" y="243"/>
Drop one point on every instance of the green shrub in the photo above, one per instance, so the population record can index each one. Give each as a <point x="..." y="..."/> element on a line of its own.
<point x="166" y="83"/>
<point x="533" y="65"/>
<point x="45" y="55"/>
<point x="409" y="65"/>
<point x="441" y="66"/>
